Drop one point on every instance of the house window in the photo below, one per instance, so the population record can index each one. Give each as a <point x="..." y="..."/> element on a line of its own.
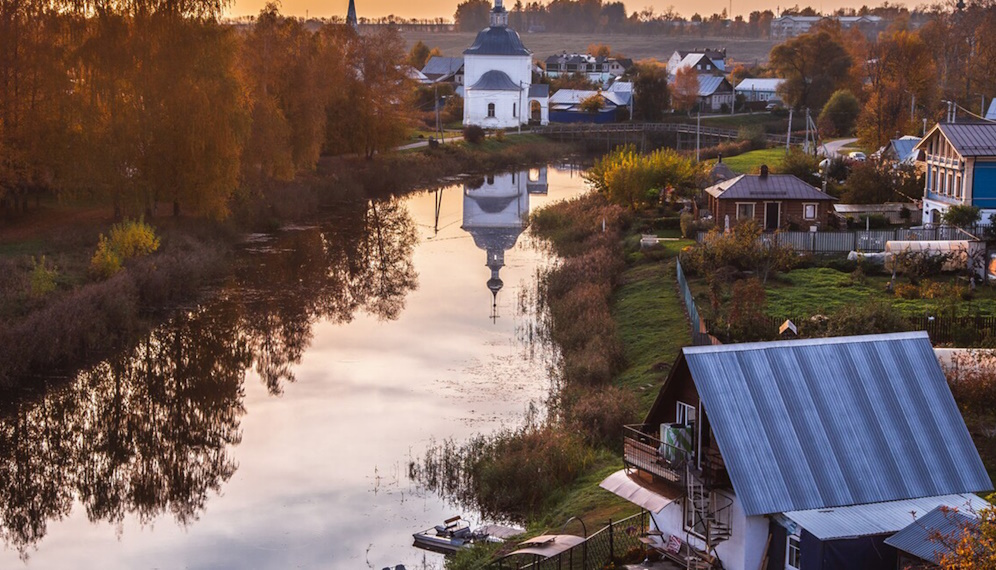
<point x="793" y="553"/>
<point x="745" y="211"/>
<point x="514" y="111"/>
<point x="684" y="414"/>
<point x="950" y="186"/>
<point x="491" y="109"/>
<point x="809" y="211"/>
<point x="957" y="186"/>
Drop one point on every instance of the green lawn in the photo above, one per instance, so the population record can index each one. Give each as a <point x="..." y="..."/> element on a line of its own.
<point x="750" y="162"/>
<point x="651" y="324"/>
<point x="821" y="290"/>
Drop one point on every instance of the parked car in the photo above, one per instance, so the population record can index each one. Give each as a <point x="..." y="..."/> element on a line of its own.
<point x="858" y="156"/>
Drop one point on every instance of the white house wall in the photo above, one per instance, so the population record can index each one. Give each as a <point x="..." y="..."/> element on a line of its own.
<point x="518" y="68"/>
<point x="742" y="551"/>
<point x="475" y="108"/>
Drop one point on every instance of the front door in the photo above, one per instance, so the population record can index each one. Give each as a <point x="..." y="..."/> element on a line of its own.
<point x="771" y="211"/>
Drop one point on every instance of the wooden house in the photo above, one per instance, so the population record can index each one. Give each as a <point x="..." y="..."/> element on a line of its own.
<point x="775" y="201"/>
<point x="802" y="454"/>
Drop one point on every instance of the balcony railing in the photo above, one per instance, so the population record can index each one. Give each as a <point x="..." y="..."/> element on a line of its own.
<point x="645" y="451"/>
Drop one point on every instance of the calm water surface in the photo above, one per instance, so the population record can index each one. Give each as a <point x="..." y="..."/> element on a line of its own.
<point x="272" y="426"/>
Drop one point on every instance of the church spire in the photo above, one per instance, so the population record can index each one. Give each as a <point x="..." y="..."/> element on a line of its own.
<point x="351" y="14"/>
<point x="499" y="17"/>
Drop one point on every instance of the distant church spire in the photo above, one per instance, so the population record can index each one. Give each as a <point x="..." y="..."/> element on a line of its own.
<point x="351" y="15"/>
<point x="499" y="17"/>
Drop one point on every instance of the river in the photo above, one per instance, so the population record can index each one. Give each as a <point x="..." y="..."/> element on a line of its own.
<point x="271" y="426"/>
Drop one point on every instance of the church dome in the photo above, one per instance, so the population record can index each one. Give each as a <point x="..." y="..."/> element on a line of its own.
<point x="497" y="40"/>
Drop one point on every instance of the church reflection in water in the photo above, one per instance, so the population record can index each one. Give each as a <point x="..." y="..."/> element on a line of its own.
<point x="496" y="212"/>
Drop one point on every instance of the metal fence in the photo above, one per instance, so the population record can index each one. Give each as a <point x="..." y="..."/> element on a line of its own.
<point x="700" y="334"/>
<point x="616" y="542"/>
<point x="847" y="241"/>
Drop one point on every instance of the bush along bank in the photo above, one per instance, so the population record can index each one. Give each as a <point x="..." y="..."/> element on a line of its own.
<point x="529" y="474"/>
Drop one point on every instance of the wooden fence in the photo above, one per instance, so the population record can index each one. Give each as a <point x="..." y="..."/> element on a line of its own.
<point x="959" y="331"/>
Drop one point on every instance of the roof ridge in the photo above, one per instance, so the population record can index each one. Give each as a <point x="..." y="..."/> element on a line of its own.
<point x="764" y="345"/>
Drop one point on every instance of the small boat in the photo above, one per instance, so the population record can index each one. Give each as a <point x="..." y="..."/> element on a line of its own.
<point x="456" y="533"/>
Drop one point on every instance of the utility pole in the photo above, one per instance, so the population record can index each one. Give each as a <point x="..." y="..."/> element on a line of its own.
<point x="788" y="136"/>
<point x="435" y="92"/>
<point x="912" y="104"/>
<point x="698" y="126"/>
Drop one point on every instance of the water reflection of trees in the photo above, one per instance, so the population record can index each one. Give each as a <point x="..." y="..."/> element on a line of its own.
<point x="149" y="431"/>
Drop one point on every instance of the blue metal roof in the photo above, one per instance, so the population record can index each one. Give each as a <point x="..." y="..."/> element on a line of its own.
<point x="495" y="80"/>
<point x="829" y="422"/>
<point x="926" y="537"/>
<point x="497" y="40"/>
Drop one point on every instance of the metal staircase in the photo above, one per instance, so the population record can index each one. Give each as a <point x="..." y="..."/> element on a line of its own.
<point x="711" y="517"/>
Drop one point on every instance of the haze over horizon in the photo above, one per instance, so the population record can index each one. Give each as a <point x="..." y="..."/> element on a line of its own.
<point x="446" y="8"/>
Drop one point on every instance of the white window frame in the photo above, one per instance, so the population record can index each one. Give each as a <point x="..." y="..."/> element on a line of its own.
<point x="491" y="110"/>
<point x="814" y="206"/>
<point x="753" y="210"/>
<point x="684" y="414"/>
<point x="790" y="548"/>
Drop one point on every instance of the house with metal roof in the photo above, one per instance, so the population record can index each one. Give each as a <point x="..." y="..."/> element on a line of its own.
<point x="960" y="164"/>
<point x="715" y="60"/>
<point x="774" y="201"/>
<point x="901" y="150"/>
<point x="498" y="90"/>
<point x="441" y="69"/>
<point x="715" y="92"/>
<point x="598" y="69"/>
<point x="801" y="454"/>
<point x="565" y="105"/>
<point x="758" y="89"/>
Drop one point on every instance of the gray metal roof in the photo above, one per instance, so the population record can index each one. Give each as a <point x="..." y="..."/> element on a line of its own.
<point x="903" y="148"/>
<point x="497" y="40"/>
<point x="759" y="84"/>
<point x="877" y="518"/>
<point x="495" y="80"/>
<point x="829" y="422"/>
<point x="923" y="538"/>
<point x="442" y="66"/>
<point x="772" y="187"/>
<point x="711" y="84"/>
<point x="971" y="139"/>
<point x="539" y="91"/>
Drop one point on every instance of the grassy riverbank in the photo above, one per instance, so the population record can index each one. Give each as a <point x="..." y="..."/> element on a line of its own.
<point x="55" y="315"/>
<point x="615" y="313"/>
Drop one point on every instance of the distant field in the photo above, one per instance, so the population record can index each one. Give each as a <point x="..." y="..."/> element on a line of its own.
<point x="637" y="47"/>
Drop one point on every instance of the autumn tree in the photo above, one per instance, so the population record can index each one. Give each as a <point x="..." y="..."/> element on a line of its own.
<point x="592" y="103"/>
<point x="685" y="90"/>
<point x="419" y="55"/>
<point x="814" y="65"/>
<point x="472" y="15"/>
<point x="651" y="95"/>
<point x="839" y="114"/>
<point x="903" y="72"/>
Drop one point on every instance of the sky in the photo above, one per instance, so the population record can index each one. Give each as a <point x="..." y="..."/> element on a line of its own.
<point x="446" y="8"/>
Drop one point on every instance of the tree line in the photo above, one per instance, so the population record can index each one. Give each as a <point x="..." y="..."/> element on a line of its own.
<point x="135" y="104"/>
<point x="891" y="84"/>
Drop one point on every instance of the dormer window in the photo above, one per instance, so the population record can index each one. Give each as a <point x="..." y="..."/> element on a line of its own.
<point x="684" y="414"/>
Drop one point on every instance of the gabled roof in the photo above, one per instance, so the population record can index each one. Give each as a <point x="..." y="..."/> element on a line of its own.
<point x="830" y="422"/>
<point x="968" y="139"/>
<point x="771" y="187"/>
<point x="693" y="59"/>
<point x="495" y="80"/>
<point x="759" y="84"/>
<point x="575" y="96"/>
<point x="440" y="66"/>
<point x="903" y="148"/>
<point x="928" y="537"/>
<point x="991" y="113"/>
<point x="710" y="84"/>
<point x="497" y="40"/>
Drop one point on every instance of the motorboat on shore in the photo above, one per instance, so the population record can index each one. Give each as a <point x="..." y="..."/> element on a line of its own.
<point x="456" y="533"/>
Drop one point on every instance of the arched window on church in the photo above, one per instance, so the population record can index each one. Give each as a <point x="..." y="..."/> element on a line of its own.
<point x="514" y="110"/>
<point x="491" y="109"/>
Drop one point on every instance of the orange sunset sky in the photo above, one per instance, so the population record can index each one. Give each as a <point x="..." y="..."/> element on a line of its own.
<point x="446" y="8"/>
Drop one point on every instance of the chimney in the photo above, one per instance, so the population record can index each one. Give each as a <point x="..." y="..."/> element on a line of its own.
<point x="764" y="171"/>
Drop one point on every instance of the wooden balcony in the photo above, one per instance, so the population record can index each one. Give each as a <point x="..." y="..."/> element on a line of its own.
<point x="643" y="450"/>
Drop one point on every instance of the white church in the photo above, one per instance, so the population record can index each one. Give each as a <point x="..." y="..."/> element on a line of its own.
<point x="498" y="89"/>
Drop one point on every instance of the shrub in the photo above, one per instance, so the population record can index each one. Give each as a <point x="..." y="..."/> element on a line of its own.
<point x="747" y="317"/>
<point x="500" y="135"/>
<point x="473" y="134"/>
<point x="962" y="215"/>
<point x="127" y="240"/>
<point x="872" y="317"/>
<point x="42" y="278"/>
<point x="599" y="414"/>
